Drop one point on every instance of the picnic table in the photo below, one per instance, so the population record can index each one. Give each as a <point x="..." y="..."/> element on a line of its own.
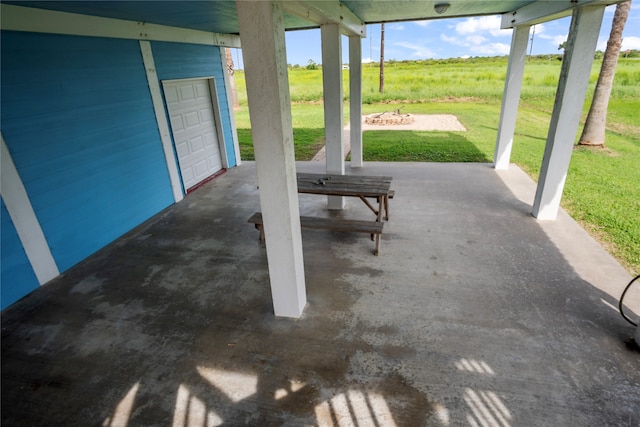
<point x="361" y="186"/>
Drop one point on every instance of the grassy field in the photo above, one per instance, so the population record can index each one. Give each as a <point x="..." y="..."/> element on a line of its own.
<point x="603" y="186"/>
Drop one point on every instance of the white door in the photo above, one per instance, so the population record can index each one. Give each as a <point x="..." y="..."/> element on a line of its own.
<point x="194" y="129"/>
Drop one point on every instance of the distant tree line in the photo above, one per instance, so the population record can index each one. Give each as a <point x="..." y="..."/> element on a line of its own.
<point x="312" y="65"/>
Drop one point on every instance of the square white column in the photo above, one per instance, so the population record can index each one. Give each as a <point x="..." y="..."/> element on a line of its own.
<point x="567" y="109"/>
<point x="511" y="96"/>
<point x="264" y="54"/>
<point x="333" y="109"/>
<point x="355" y="100"/>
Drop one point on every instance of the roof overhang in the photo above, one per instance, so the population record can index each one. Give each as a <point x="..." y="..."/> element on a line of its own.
<point x="327" y="12"/>
<point x="215" y="18"/>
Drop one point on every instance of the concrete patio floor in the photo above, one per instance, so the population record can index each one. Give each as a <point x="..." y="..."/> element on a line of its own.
<point x="474" y="313"/>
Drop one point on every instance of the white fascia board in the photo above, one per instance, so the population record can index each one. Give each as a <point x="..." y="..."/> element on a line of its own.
<point x="19" y="18"/>
<point x="327" y="12"/>
<point x="543" y="11"/>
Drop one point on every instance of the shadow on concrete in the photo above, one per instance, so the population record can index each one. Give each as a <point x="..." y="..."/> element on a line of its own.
<point x="471" y="315"/>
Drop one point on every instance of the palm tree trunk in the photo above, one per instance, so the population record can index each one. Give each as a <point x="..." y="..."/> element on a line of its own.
<point x="593" y="133"/>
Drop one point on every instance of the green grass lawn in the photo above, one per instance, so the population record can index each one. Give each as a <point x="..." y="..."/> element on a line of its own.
<point x="602" y="190"/>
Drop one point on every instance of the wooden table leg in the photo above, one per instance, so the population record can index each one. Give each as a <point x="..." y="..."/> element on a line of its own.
<point x="366" y="202"/>
<point x="386" y="206"/>
<point x="378" y="219"/>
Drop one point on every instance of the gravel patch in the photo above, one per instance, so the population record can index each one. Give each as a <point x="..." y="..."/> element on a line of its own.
<point x="439" y="122"/>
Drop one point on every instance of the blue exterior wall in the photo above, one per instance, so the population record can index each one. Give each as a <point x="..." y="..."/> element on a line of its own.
<point x="16" y="275"/>
<point x="182" y="61"/>
<point x="78" y="120"/>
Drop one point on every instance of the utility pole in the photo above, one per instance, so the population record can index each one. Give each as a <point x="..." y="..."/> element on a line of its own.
<point x="382" y="58"/>
<point x="533" y="33"/>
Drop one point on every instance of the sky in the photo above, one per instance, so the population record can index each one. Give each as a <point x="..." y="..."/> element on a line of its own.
<point x="452" y="38"/>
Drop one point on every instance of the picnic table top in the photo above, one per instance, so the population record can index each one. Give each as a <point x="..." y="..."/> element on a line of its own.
<point x="344" y="185"/>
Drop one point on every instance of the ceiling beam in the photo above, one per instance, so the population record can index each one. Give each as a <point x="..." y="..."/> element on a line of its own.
<point x="322" y="12"/>
<point x="19" y="18"/>
<point x="543" y="11"/>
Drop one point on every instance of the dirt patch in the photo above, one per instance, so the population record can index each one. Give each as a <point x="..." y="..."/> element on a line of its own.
<point x="623" y="129"/>
<point x="422" y="122"/>
<point x="425" y="122"/>
<point x="457" y="99"/>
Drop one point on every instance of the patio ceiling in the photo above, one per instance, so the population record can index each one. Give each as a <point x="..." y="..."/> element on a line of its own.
<point x="219" y="16"/>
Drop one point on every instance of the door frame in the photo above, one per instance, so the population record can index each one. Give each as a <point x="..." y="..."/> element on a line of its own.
<point x="217" y="120"/>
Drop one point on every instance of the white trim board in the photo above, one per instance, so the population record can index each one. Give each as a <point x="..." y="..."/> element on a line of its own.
<point x="545" y="11"/>
<point x="232" y="115"/>
<point x="161" y="119"/>
<point x="24" y="219"/>
<point x="217" y="119"/>
<point x="19" y="18"/>
<point x="188" y="79"/>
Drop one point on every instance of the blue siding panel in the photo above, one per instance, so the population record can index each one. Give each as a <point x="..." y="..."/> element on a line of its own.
<point x="183" y="61"/>
<point x="16" y="275"/>
<point x="78" y="119"/>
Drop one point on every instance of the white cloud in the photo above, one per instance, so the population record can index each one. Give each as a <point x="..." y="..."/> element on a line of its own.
<point x="540" y="29"/>
<point x="482" y="24"/>
<point x="501" y="33"/>
<point x="422" y="23"/>
<point x="366" y="60"/>
<point x="474" y="25"/>
<point x="418" y="50"/>
<point x="492" y="49"/>
<point x="450" y="39"/>
<point x="476" y="39"/>
<point x="631" y="42"/>
<point x="558" y="39"/>
<point x="468" y="41"/>
<point x="396" y="27"/>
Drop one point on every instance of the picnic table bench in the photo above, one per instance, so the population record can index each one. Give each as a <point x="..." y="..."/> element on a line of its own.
<point x="373" y="228"/>
<point x="363" y="187"/>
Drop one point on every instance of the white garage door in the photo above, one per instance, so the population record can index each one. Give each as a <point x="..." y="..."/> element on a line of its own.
<point x="194" y="129"/>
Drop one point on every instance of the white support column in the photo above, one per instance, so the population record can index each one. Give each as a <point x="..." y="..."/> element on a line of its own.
<point x="333" y="99"/>
<point x="263" y="50"/>
<point x="572" y="88"/>
<point x="511" y="96"/>
<point x="24" y="219"/>
<point x="355" y="100"/>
